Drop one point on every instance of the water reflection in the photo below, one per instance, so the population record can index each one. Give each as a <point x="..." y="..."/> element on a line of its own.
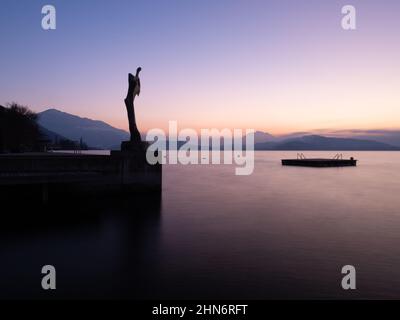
<point x="280" y="233"/>
<point x="103" y="248"/>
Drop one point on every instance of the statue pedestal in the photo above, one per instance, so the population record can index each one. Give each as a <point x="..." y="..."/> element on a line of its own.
<point x="134" y="168"/>
<point x="133" y="146"/>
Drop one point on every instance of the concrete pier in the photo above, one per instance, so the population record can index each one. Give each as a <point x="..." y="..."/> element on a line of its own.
<point x="122" y="171"/>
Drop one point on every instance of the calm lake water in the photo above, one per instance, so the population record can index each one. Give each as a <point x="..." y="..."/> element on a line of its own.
<point x="282" y="232"/>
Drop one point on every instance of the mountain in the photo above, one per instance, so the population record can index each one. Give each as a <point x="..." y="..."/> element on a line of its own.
<point x="293" y="135"/>
<point x="260" y="137"/>
<point x="96" y="134"/>
<point x="50" y="135"/>
<point x="386" y="136"/>
<point x="316" y="142"/>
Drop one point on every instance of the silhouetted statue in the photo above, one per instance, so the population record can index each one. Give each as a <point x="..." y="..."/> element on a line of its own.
<point x="133" y="91"/>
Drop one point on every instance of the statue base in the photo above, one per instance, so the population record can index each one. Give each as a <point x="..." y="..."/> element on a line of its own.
<point x="134" y="168"/>
<point x="134" y="146"/>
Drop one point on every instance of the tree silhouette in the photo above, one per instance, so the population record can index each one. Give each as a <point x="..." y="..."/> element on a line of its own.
<point x="19" y="131"/>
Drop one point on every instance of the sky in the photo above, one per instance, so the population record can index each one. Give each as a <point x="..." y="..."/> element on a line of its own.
<point x="278" y="66"/>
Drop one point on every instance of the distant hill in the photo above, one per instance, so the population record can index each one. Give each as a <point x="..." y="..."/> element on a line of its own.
<point x="50" y="135"/>
<point x="391" y="137"/>
<point x="260" y="137"/>
<point x="316" y="142"/>
<point x="96" y="134"/>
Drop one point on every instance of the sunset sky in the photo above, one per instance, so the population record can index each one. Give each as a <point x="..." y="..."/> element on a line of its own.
<point x="278" y="66"/>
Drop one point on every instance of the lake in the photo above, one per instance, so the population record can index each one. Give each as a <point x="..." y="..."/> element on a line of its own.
<point x="282" y="232"/>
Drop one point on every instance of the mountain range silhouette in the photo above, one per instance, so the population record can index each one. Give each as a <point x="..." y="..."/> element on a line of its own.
<point x="100" y="135"/>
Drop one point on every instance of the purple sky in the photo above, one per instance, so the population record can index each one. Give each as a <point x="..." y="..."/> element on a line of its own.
<point x="278" y="66"/>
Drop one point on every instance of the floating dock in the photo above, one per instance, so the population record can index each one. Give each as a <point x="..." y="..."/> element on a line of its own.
<point x="337" y="161"/>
